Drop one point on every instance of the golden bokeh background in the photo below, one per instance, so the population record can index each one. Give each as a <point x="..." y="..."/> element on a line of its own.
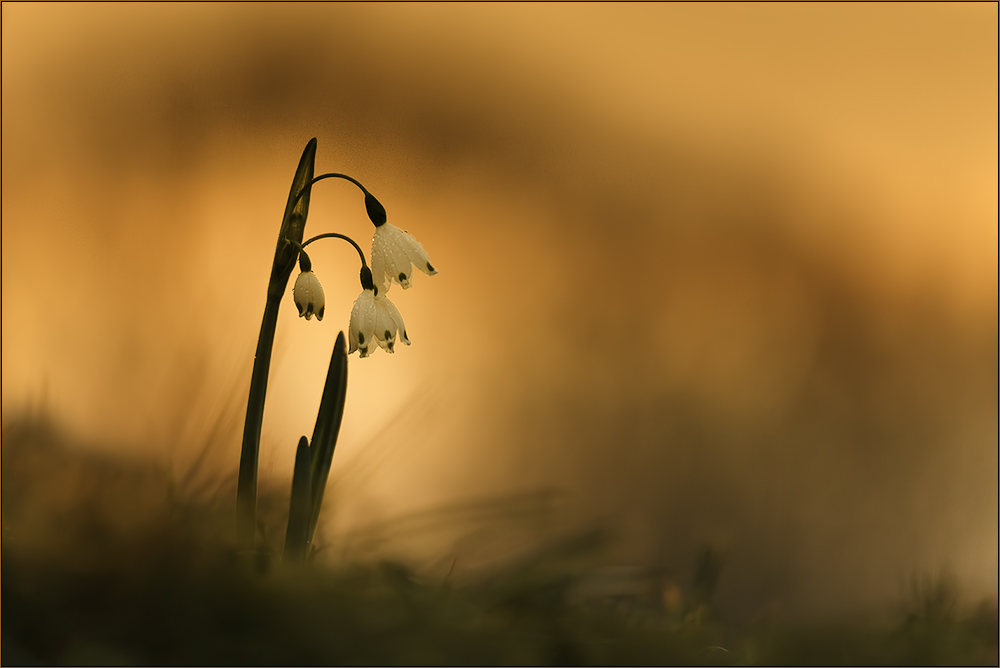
<point x="709" y="274"/>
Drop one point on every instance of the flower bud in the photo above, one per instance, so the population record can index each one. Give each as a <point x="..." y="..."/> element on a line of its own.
<point x="308" y="295"/>
<point x="375" y="210"/>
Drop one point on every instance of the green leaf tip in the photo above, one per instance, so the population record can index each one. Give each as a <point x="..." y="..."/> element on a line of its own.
<point x="331" y="413"/>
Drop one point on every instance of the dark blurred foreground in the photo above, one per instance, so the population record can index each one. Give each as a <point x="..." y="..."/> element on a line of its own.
<point x="109" y="562"/>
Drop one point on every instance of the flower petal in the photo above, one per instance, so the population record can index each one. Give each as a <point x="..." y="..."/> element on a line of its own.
<point x="361" y="330"/>
<point x="385" y="324"/>
<point x="394" y="254"/>
<point x="393" y="313"/>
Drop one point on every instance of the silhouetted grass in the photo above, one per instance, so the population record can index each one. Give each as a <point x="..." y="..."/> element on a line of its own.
<point x="103" y="564"/>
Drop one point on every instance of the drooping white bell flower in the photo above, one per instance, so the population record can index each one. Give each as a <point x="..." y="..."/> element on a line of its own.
<point x="375" y="320"/>
<point x="308" y="295"/>
<point x="394" y="254"/>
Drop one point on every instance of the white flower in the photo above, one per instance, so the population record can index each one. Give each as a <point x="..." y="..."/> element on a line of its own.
<point x="375" y="319"/>
<point x="308" y="295"/>
<point x="394" y="252"/>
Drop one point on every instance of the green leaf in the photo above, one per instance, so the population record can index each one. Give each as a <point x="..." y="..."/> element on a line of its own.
<point x="324" y="440"/>
<point x="293" y="223"/>
<point x="297" y="535"/>
<point x="292" y="227"/>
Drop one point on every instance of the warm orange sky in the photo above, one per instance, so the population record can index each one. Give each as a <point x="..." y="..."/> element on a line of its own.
<point x="696" y="260"/>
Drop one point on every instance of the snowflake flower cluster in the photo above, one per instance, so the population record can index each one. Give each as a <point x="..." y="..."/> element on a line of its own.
<point x="375" y="320"/>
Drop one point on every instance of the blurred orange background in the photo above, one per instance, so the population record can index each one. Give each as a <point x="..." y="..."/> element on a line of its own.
<point x="714" y="274"/>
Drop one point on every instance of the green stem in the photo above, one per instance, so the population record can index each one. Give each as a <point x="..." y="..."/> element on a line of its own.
<point x="246" y="495"/>
<point x="376" y="212"/>
<point x="290" y="234"/>
<point x="336" y="235"/>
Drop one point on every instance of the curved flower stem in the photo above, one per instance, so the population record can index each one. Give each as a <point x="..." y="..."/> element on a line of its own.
<point x="336" y="235"/>
<point x="376" y="212"/>
<point x="331" y="175"/>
